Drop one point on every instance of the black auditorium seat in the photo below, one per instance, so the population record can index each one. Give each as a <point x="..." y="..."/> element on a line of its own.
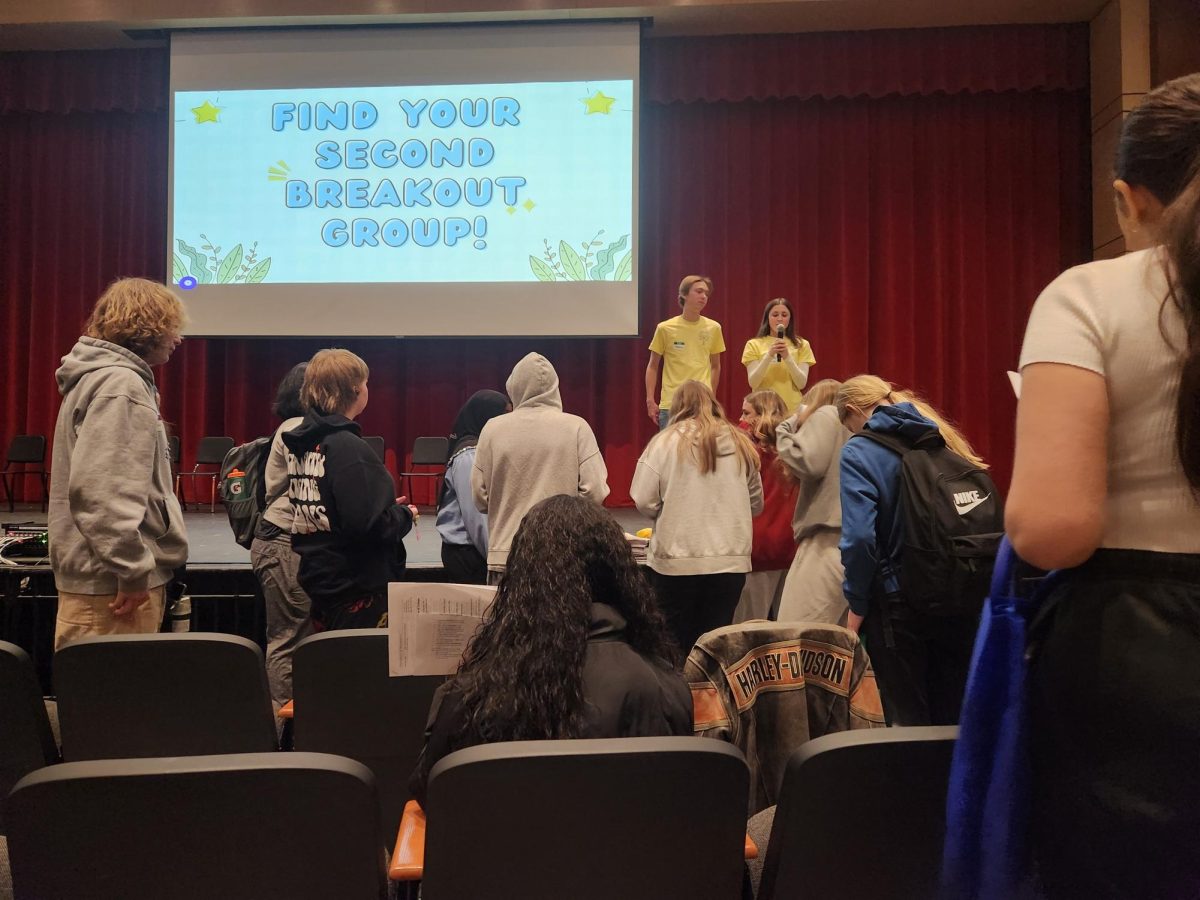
<point x="234" y="827"/>
<point x="26" y="741"/>
<point x="162" y="695"/>
<point x="635" y="818"/>
<point x="346" y="703"/>
<point x="862" y="814"/>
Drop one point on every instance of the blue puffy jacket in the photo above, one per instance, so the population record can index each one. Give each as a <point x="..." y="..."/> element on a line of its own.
<point x="872" y="529"/>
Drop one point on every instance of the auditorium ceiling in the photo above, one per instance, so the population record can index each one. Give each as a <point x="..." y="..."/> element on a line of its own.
<point x="79" y="24"/>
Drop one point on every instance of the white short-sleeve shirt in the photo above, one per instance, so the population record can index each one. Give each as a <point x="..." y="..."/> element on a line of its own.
<point x="1109" y="317"/>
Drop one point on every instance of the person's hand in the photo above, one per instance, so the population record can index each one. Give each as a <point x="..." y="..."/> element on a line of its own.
<point x="414" y="512"/>
<point x="780" y="348"/>
<point x="126" y="603"/>
<point x="652" y="410"/>
<point x="854" y="621"/>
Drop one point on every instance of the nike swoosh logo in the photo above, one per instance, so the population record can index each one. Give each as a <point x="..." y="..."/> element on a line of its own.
<point x="963" y="510"/>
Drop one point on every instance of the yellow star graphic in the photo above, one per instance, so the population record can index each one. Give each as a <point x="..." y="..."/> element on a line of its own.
<point x="598" y="103"/>
<point x="206" y="113"/>
<point x="529" y="205"/>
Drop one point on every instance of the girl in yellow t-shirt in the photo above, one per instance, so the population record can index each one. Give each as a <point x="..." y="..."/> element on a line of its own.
<point x="778" y="364"/>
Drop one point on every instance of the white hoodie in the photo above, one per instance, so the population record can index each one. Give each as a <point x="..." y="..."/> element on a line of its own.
<point x="703" y="520"/>
<point x="534" y="452"/>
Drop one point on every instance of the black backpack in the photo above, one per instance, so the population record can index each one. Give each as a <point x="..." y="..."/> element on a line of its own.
<point x="953" y="520"/>
<point x="245" y="495"/>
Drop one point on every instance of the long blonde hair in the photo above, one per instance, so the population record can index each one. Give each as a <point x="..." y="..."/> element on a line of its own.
<point x="771" y="410"/>
<point x="823" y="393"/>
<point x="865" y="391"/>
<point x="698" y="419"/>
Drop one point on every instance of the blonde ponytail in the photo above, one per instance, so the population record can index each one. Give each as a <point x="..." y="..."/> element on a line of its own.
<point x="866" y="391"/>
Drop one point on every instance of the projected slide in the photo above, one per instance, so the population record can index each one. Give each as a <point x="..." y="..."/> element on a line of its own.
<point x="526" y="182"/>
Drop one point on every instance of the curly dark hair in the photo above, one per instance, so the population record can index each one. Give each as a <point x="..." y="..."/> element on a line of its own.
<point x="522" y="675"/>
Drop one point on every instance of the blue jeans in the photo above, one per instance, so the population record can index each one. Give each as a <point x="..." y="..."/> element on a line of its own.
<point x="663" y="415"/>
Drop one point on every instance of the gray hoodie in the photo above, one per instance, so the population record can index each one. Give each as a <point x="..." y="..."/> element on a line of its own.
<point x="115" y="523"/>
<point x="532" y="453"/>
<point x="701" y="520"/>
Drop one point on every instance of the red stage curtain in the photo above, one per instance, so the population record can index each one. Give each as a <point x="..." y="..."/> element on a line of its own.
<point x="831" y="66"/>
<point x="84" y="81"/>
<point x="912" y="233"/>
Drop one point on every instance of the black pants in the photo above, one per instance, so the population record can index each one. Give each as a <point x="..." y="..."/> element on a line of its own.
<point x="695" y="604"/>
<point x="463" y="564"/>
<point x="921" y="662"/>
<point x="1115" y="729"/>
<point x="365" y="612"/>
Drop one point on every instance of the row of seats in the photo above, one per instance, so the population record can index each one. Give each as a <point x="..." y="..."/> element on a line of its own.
<point x="860" y="812"/>
<point x="130" y="696"/>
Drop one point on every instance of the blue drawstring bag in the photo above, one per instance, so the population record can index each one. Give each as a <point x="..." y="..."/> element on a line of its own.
<point x="987" y="805"/>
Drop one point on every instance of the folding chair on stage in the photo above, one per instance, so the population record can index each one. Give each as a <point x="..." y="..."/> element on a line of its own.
<point x="209" y="454"/>
<point x="25" y="450"/>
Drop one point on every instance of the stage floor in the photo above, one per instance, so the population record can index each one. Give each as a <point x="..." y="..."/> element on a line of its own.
<point x="211" y="544"/>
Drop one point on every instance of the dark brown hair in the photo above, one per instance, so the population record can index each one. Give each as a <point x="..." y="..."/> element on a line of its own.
<point x="521" y="677"/>
<point x="1160" y="151"/>
<point x="789" y="331"/>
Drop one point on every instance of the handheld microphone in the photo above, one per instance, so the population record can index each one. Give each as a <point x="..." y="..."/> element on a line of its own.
<point x="779" y="333"/>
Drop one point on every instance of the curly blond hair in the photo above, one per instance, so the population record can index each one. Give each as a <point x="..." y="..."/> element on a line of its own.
<point x="771" y="410"/>
<point x="135" y="313"/>
<point x="332" y="380"/>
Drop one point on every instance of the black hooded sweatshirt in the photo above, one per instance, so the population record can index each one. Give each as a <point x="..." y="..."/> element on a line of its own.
<point x="346" y="525"/>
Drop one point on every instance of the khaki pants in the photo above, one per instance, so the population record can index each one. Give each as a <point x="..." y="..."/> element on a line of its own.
<point x="87" y="615"/>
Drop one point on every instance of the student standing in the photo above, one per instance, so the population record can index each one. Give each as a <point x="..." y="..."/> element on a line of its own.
<point x="920" y="660"/>
<point x="347" y="524"/>
<point x="534" y="452"/>
<point x="772" y="550"/>
<point x="698" y="479"/>
<point x="687" y="347"/>
<point x="116" y="529"/>
<point x="775" y="363"/>
<point x="275" y="562"/>
<point x="810" y="446"/>
<point x="1105" y="484"/>
<point x="463" y="528"/>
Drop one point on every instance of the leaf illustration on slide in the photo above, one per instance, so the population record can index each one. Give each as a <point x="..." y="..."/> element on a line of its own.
<point x="229" y="265"/>
<point x="178" y="269"/>
<point x="604" y="258"/>
<point x="259" y="272"/>
<point x="540" y="269"/>
<point x="571" y="261"/>
<point x="625" y="268"/>
<point x="199" y="267"/>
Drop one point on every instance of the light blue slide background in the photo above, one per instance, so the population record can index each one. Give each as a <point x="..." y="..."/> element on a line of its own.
<point x="578" y="167"/>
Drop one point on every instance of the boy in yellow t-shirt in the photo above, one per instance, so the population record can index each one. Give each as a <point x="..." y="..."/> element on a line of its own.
<point x="688" y="347"/>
